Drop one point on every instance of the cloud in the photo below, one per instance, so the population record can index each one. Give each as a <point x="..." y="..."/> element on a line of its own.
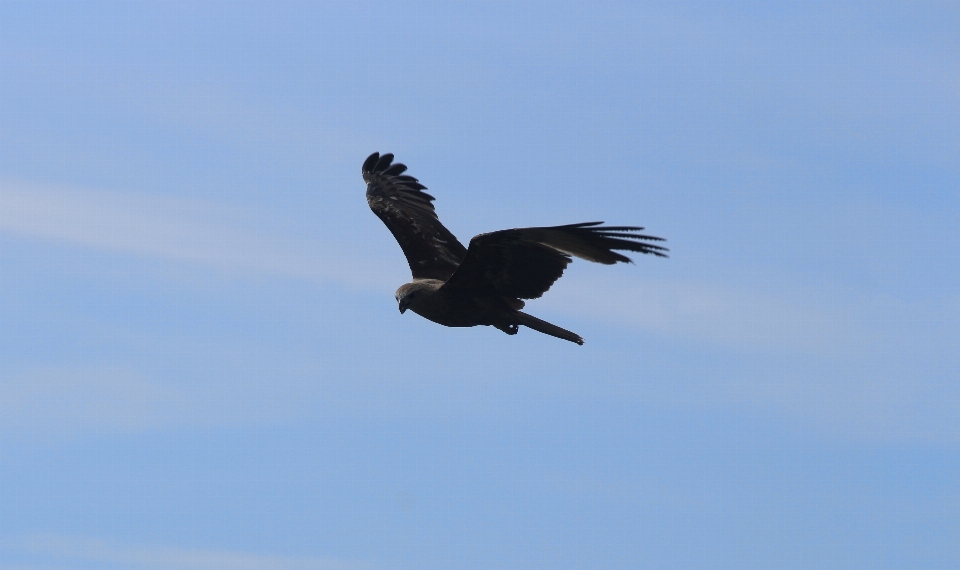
<point x="228" y="238"/>
<point x="213" y="235"/>
<point x="69" y="401"/>
<point x="849" y="366"/>
<point x="713" y="313"/>
<point x="176" y="229"/>
<point x="63" y="552"/>
<point x="54" y="400"/>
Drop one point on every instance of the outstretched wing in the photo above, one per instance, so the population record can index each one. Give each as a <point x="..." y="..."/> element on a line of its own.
<point x="399" y="200"/>
<point x="523" y="263"/>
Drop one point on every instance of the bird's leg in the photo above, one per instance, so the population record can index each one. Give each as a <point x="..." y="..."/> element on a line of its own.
<point x="509" y="329"/>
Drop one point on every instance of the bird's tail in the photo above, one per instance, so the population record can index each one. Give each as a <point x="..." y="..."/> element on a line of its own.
<point x="547" y="328"/>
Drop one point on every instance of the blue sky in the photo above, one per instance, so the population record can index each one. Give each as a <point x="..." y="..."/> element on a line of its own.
<point x="202" y="365"/>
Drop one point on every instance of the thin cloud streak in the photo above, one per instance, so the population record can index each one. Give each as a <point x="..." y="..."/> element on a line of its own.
<point x="175" y="229"/>
<point x="63" y="401"/>
<point x="65" y="552"/>
<point x="220" y="236"/>
<point x="716" y="314"/>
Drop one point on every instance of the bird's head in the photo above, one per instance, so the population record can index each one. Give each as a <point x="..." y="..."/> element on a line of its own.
<point x="412" y="294"/>
<point x="404" y="301"/>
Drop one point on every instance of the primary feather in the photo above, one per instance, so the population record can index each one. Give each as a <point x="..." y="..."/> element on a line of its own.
<point x="400" y="202"/>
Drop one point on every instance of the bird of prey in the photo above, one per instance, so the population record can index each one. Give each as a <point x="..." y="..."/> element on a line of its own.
<point x="484" y="284"/>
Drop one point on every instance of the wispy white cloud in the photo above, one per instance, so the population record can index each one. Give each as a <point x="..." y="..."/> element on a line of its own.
<point x="222" y="236"/>
<point x="867" y="361"/>
<point x="68" y="401"/>
<point x="712" y="313"/>
<point x="64" y="553"/>
<point x="870" y="369"/>
<point x="176" y="229"/>
<point x="62" y="401"/>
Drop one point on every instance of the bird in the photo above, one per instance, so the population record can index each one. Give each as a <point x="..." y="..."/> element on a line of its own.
<point x="486" y="282"/>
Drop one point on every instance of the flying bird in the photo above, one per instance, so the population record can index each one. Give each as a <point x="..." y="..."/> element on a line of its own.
<point x="484" y="284"/>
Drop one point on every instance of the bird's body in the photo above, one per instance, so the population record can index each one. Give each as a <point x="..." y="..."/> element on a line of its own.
<point x="429" y="299"/>
<point x="484" y="283"/>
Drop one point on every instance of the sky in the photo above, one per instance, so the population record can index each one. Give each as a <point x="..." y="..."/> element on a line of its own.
<point x="202" y="365"/>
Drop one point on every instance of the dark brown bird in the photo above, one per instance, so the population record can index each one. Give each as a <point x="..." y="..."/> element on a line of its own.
<point x="484" y="284"/>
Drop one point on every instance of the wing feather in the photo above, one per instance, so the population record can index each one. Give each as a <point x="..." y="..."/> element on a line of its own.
<point x="524" y="263"/>
<point x="399" y="201"/>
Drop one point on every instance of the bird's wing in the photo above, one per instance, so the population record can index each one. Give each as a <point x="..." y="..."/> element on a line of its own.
<point x="400" y="201"/>
<point x="523" y="263"/>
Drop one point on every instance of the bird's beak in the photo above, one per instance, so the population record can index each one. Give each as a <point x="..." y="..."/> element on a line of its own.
<point x="403" y="307"/>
